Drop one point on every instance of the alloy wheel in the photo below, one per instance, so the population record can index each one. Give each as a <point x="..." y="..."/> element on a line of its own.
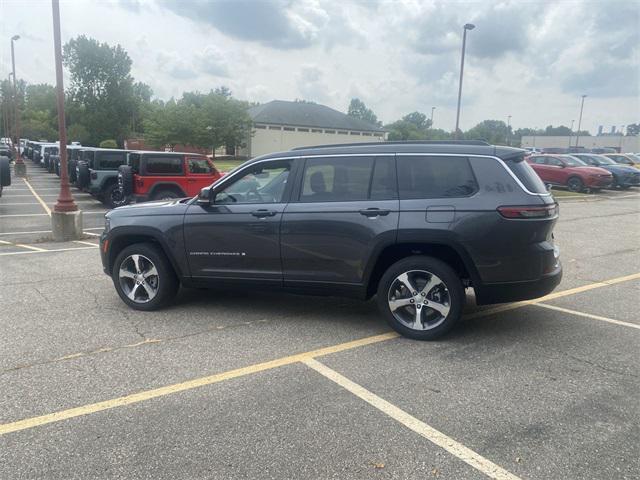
<point x="419" y="300"/>
<point x="139" y="278"/>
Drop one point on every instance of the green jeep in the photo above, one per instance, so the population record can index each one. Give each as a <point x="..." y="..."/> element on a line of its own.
<point x="97" y="173"/>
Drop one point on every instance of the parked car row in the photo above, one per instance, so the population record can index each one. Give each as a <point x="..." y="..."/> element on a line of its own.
<point x="581" y="172"/>
<point x="117" y="177"/>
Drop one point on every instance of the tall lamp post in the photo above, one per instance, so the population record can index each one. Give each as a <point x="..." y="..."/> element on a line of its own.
<point x="509" y="130"/>
<point x="467" y="26"/>
<point x="66" y="219"/>
<point x="6" y="111"/>
<point x="571" y="132"/>
<point x="580" y="120"/>
<point x="432" y="110"/>
<point x="20" y="168"/>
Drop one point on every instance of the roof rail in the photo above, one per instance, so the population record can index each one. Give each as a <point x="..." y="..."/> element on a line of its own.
<point x="401" y="142"/>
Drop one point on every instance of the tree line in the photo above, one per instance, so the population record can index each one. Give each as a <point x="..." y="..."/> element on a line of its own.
<point x="104" y="105"/>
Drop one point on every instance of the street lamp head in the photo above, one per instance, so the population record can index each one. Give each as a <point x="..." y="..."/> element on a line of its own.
<point x="15" y="37"/>
<point x="469" y="26"/>
<point x="584" y="96"/>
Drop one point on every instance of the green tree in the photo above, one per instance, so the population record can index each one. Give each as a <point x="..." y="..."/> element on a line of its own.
<point x="78" y="133"/>
<point x="633" y="129"/>
<point x="560" y="131"/>
<point x="357" y="109"/>
<point x="419" y="120"/>
<point x="108" y="144"/>
<point x="495" y="132"/>
<point x="102" y="86"/>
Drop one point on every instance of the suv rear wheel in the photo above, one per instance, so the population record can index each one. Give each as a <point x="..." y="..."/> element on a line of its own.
<point x="421" y="297"/>
<point x="143" y="277"/>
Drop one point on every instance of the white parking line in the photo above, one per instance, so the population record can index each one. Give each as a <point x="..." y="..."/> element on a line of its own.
<point x="588" y="315"/>
<point x="47" y="231"/>
<point x="465" y="454"/>
<point x="47" y="251"/>
<point x="86" y="243"/>
<point x="84" y="212"/>
<point x="92" y="234"/>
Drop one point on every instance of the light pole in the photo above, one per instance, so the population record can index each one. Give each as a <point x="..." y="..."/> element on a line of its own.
<point x="432" y="109"/>
<point x="509" y="130"/>
<point x="467" y="26"/>
<point x="20" y="168"/>
<point x="7" y="106"/>
<point x="580" y="120"/>
<point x="66" y="219"/>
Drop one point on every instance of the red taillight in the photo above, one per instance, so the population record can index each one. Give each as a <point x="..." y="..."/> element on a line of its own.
<point x="529" y="211"/>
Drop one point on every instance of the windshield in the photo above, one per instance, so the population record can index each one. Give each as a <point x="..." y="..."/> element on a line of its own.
<point x="573" y="161"/>
<point x="602" y="160"/>
<point x="634" y="157"/>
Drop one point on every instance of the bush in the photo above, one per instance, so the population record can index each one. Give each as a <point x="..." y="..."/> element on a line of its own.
<point x="108" y="144"/>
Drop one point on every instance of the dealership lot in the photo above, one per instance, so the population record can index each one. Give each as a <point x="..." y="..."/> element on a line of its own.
<point x="264" y="385"/>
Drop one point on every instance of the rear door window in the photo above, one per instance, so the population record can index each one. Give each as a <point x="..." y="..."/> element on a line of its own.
<point x="199" y="166"/>
<point x="163" y="165"/>
<point x="435" y="177"/>
<point x="337" y="179"/>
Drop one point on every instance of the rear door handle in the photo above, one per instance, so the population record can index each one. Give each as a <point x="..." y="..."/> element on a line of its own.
<point x="264" y="213"/>
<point x="375" y="212"/>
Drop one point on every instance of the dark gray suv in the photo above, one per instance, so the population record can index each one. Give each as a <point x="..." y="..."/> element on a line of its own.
<point x="413" y="223"/>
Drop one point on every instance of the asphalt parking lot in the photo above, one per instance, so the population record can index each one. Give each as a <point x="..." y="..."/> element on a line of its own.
<point x="263" y="385"/>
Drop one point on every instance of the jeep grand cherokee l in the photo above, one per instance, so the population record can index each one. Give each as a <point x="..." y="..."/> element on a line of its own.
<point x="413" y="223"/>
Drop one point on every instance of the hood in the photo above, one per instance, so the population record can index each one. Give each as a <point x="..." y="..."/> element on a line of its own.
<point x="619" y="169"/>
<point x="160" y="207"/>
<point x="594" y="170"/>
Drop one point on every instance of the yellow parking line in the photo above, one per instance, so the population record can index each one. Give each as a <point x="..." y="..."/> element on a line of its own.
<point x="445" y="442"/>
<point x="31" y="247"/>
<point x="588" y="315"/>
<point x="35" y="194"/>
<point x="209" y="380"/>
<point x="188" y="385"/>
<point x="553" y="296"/>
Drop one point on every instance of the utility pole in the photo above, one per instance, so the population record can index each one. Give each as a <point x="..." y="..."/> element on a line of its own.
<point x="20" y="169"/>
<point x="509" y="130"/>
<point x="467" y="26"/>
<point x="432" y="109"/>
<point x="571" y="132"/>
<point x="580" y="120"/>
<point x="66" y="219"/>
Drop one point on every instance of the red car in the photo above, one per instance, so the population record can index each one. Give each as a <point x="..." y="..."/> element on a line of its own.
<point x="568" y="171"/>
<point x="165" y="175"/>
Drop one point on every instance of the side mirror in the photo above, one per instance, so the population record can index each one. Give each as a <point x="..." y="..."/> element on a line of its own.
<point x="204" y="197"/>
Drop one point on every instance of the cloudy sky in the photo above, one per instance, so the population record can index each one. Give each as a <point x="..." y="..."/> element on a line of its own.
<point x="528" y="59"/>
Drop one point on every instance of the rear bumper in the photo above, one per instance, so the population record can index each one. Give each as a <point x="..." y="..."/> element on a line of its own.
<point x="516" y="291"/>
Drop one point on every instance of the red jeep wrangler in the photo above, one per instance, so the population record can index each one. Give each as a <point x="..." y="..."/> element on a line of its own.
<point x="165" y="175"/>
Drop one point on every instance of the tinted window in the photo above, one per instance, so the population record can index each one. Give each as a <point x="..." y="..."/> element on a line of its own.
<point x="163" y="165"/>
<point x="435" y="177"/>
<point x="384" y="185"/>
<point x="112" y="160"/>
<point x="336" y="179"/>
<point x="539" y="160"/>
<point x="527" y="175"/>
<point x="199" y="165"/>
<point x="554" y="161"/>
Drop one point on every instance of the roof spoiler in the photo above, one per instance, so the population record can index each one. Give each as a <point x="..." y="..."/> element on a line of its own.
<point x="403" y="142"/>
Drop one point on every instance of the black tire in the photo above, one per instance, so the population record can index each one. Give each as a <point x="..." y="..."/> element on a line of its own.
<point x="82" y="174"/>
<point x="71" y="169"/>
<point x="167" y="282"/>
<point x="575" y="184"/>
<point x="165" y="195"/>
<point x="51" y="164"/>
<point x="5" y="172"/>
<point x="57" y="166"/>
<point x="113" y="196"/>
<point x="125" y="180"/>
<point x="449" y="291"/>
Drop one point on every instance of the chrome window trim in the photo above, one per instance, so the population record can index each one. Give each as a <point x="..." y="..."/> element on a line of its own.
<point x="223" y="180"/>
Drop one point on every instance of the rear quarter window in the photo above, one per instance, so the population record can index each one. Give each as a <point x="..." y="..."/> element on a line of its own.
<point x="527" y="175"/>
<point x="435" y="177"/>
<point x="162" y="165"/>
<point x="111" y="160"/>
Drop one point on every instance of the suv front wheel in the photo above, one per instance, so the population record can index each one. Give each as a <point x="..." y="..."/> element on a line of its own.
<point x="143" y="277"/>
<point x="421" y="297"/>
